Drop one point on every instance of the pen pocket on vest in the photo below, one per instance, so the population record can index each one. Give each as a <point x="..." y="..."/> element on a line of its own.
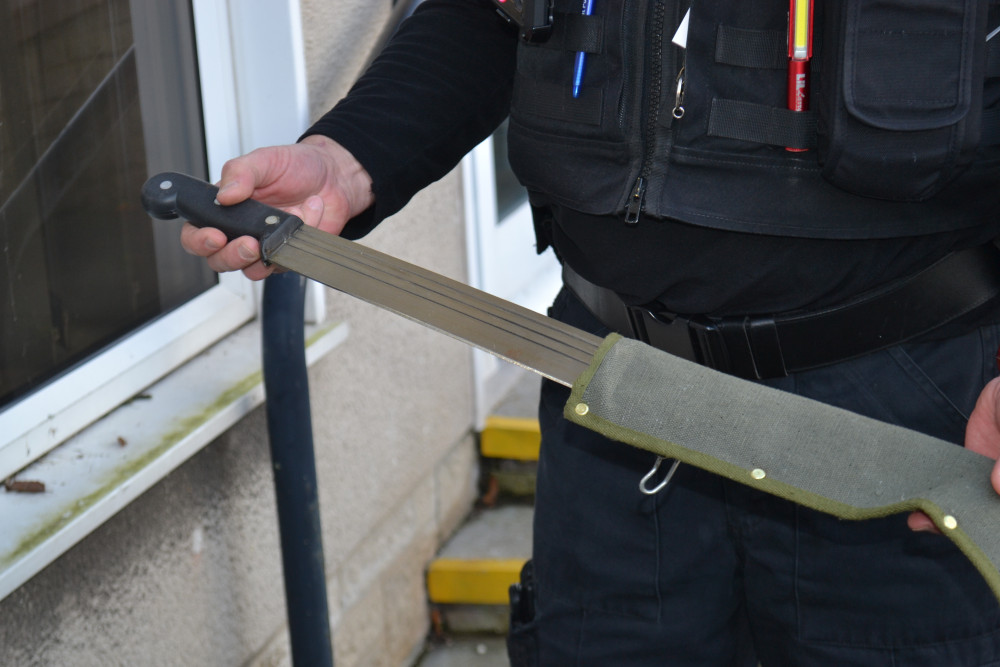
<point x="550" y="128"/>
<point x="901" y="99"/>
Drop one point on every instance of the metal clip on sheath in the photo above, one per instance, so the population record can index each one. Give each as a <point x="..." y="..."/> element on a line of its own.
<point x="643" y="484"/>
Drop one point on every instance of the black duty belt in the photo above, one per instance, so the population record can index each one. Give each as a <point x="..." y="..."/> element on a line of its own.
<point x="758" y="347"/>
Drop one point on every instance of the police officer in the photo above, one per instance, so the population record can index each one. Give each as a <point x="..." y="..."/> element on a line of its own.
<point x="844" y="254"/>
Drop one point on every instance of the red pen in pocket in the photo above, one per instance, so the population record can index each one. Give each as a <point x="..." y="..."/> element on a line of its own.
<point x="800" y="28"/>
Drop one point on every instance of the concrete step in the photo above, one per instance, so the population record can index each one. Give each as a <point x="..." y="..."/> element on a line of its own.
<point x="465" y="651"/>
<point x="469" y="580"/>
<point x="513" y="438"/>
<point x="509" y="442"/>
<point x="511" y="430"/>
<point x="468" y="583"/>
<point x="482" y="559"/>
<point x="509" y="446"/>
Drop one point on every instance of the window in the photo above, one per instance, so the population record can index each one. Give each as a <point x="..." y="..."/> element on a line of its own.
<point x="97" y="301"/>
<point x="83" y="264"/>
<point x="200" y="91"/>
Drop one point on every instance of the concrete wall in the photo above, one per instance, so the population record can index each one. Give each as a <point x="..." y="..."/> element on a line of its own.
<point x="189" y="574"/>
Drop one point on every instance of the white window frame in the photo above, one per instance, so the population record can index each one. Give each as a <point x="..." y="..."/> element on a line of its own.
<point x="253" y="85"/>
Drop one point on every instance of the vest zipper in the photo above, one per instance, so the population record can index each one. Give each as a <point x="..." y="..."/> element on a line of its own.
<point x="635" y="199"/>
<point x="627" y="53"/>
<point x="651" y="111"/>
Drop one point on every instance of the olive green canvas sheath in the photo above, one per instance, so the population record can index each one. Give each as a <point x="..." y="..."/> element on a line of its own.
<point x="813" y="454"/>
<point x="810" y="453"/>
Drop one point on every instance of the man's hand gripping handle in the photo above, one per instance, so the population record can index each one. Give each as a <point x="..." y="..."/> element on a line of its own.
<point x="171" y="195"/>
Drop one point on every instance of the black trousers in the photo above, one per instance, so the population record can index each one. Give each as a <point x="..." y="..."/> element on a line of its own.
<point x="708" y="572"/>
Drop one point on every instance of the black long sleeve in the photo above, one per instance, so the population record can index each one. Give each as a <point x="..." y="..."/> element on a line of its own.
<point x="441" y="85"/>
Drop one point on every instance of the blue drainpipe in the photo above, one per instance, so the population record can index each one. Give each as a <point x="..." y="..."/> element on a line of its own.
<point x="289" y="426"/>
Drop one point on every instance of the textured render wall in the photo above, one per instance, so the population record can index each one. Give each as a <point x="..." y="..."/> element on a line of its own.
<point x="332" y="31"/>
<point x="189" y="574"/>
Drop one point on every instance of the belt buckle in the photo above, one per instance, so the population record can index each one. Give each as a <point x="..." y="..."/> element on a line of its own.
<point x="745" y="347"/>
<point x="665" y="331"/>
<point x="723" y="345"/>
<point x="714" y="342"/>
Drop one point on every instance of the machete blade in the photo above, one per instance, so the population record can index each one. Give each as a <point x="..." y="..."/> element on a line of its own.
<point x="513" y="333"/>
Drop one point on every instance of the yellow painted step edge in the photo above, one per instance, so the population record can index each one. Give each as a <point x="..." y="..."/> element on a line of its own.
<point x="472" y="581"/>
<point x="516" y="438"/>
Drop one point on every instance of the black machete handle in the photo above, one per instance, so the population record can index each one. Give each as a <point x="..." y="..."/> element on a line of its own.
<point x="171" y="195"/>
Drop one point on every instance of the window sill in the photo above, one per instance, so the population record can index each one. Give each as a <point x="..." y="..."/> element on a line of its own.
<point x="99" y="471"/>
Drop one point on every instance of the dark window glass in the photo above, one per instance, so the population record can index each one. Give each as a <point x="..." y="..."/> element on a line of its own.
<point x="94" y="96"/>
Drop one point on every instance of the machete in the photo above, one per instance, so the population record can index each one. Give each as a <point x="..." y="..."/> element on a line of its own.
<point x="518" y="335"/>
<point x="813" y="454"/>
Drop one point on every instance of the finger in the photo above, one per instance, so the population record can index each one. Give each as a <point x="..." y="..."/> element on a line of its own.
<point x="311" y="211"/>
<point x="236" y="255"/>
<point x="921" y="523"/>
<point x="202" y="242"/>
<point x="259" y="271"/>
<point x="995" y="477"/>
<point x="234" y="191"/>
<point x="240" y="178"/>
<point x="982" y="433"/>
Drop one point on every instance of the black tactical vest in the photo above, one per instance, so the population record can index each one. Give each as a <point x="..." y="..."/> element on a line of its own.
<point x="902" y="135"/>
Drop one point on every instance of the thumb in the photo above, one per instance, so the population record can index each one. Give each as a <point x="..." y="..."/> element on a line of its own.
<point x="242" y="175"/>
<point x="982" y="433"/>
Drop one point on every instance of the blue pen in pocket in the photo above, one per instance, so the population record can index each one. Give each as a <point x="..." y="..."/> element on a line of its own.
<point x="588" y="8"/>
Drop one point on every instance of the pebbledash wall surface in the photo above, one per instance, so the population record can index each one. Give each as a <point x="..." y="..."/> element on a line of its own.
<point x="189" y="573"/>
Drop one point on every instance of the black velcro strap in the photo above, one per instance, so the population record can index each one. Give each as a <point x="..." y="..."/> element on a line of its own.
<point x="576" y="32"/>
<point x="762" y="124"/>
<point x="760" y="49"/>
<point x="552" y="100"/>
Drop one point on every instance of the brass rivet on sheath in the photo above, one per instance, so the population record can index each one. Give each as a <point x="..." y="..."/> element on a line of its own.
<point x="581" y="409"/>
<point x="757" y="473"/>
<point x="950" y="522"/>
